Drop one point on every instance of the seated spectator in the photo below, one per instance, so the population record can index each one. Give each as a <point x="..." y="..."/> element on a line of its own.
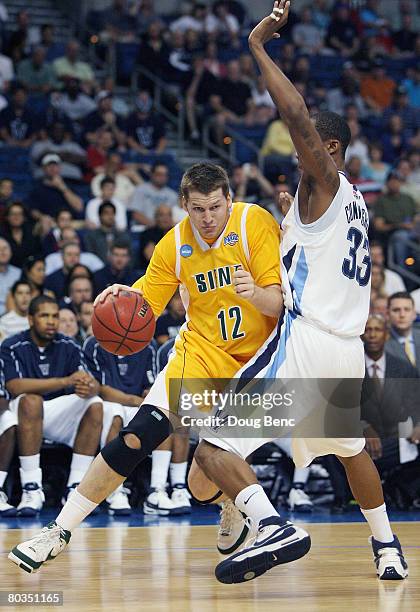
<point x="394" y="217"/>
<point x="54" y="261"/>
<point x="377" y="88"/>
<point x="368" y="188"/>
<point x="66" y="259"/>
<point x="342" y="35"/>
<point x="119" y="105"/>
<point x="71" y="67"/>
<point x="379" y="306"/>
<point x="409" y="185"/>
<point x="249" y="184"/>
<point x="378" y="281"/>
<point x="104" y="118"/>
<point x="169" y="324"/>
<point x="151" y="236"/>
<point x="211" y="61"/>
<point x="118" y="269"/>
<point x="223" y="25"/>
<point x="376" y="169"/>
<point x="150" y="195"/>
<point x="412" y="86"/>
<point x="67" y="324"/>
<point x="389" y="397"/>
<point x="203" y="85"/>
<point x="405" y="39"/>
<point x="125" y="179"/>
<point x="85" y="319"/>
<point x="145" y="131"/>
<point x="78" y="289"/>
<point x="347" y="93"/>
<point x="404" y="341"/>
<point x="282" y="200"/>
<point x="33" y="273"/>
<point x="53" y="241"/>
<point x="16" y="320"/>
<point x="277" y="150"/>
<point x="73" y="104"/>
<point x="97" y="153"/>
<point x="35" y="74"/>
<point x="124" y="383"/>
<point x="23" y="38"/>
<point x="7" y="448"/>
<point x="195" y="21"/>
<point x="306" y="35"/>
<point x="17" y="122"/>
<point x="99" y="240"/>
<point x="8" y="274"/>
<point x="65" y="409"/>
<point x="6" y="196"/>
<point x="52" y="48"/>
<point x="59" y="142"/>
<point x="145" y="15"/>
<point x="321" y="15"/>
<point x="119" y="24"/>
<point x="154" y="51"/>
<point x="18" y="232"/>
<point x="409" y="115"/>
<point x="7" y="73"/>
<point x="51" y="193"/>
<point x="394" y="139"/>
<point x="92" y="213"/>
<point x="370" y="19"/>
<point x="393" y="281"/>
<point x="357" y="147"/>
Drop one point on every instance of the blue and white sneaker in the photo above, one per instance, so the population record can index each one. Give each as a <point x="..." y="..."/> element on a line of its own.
<point x="6" y="509"/>
<point x="389" y="559"/>
<point x="276" y="542"/>
<point x="32" y="500"/>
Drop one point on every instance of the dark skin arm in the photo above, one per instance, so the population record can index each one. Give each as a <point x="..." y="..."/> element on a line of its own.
<point x="320" y="180"/>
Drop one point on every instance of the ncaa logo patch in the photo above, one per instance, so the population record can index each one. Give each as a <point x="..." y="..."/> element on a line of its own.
<point x="186" y="250"/>
<point x="231" y="239"/>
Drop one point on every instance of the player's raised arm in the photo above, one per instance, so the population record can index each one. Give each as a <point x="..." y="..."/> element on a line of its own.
<point x="319" y="170"/>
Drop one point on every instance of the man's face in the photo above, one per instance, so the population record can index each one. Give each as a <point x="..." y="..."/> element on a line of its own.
<point x="119" y="258"/>
<point x="164" y="218"/>
<point x="107" y="217"/>
<point x="377" y="255"/>
<point x="20" y="98"/>
<point x="72" y="51"/>
<point x="160" y="177"/>
<point x="375" y="335"/>
<point x="52" y="170"/>
<point x="5" y="252"/>
<point x="45" y="321"/>
<point x="85" y="316"/>
<point x="401" y="314"/>
<point x="81" y="291"/>
<point x="64" y="220"/>
<point x="6" y="189"/>
<point x="22" y="299"/>
<point x="67" y="322"/>
<point x="71" y="256"/>
<point x="209" y="213"/>
<point x="108" y="191"/>
<point x="377" y="276"/>
<point x="394" y="186"/>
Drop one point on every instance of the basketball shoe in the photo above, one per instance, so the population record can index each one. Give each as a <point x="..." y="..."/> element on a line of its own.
<point x="6" y="509"/>
<point x="389" y="559"/>
<point x="181" y="499"/>
<point x="233" y="528"/>
<point x="43" y="547"/>
<point x="118" y="504"/>
<point x="158" y="502"/>
<point x="276" y="542"/>
<point x="32" y="500"/>
<point x="298" y="501"/>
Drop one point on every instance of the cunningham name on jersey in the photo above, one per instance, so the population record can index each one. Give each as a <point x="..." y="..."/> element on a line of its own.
<point x="326" y="265"/>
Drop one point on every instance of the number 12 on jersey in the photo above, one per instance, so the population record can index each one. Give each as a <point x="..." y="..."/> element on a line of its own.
<point x="350" y="267"/>
<point x="234" y="313"/>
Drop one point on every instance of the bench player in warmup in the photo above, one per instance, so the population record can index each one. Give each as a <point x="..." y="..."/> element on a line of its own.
<point x="225" y="259"/>
<point x="326" y="286"/>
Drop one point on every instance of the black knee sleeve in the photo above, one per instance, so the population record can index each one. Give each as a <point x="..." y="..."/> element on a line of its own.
<point x="204" y="502"/>
<point x="151" y="426"/>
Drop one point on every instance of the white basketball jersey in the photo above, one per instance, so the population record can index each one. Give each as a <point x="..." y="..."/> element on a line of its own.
<point x="326" y="265"/>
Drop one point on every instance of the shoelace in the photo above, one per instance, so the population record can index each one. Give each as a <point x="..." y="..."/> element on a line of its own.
<point x="389" y="552"/>
<point x="46" y="534"/>
<point x="29" y="495"/>
<point x="226" y="516"/>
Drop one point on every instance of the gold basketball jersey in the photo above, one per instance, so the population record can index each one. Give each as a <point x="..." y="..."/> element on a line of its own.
<point x="204" y="273"/>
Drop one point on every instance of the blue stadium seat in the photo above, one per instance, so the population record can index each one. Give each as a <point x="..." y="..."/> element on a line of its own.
<point x="244" y="153"/>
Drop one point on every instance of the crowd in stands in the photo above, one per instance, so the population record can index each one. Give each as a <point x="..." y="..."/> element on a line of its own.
<point x="88" y="184"/>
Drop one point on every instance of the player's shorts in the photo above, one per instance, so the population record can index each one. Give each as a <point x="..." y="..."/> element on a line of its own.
<point x="298" y="350"/>
<point x="62" y="416"/>
<point x="8" y="419"/>
<point x="111" y="410"/>
<point x="192" y="357"/>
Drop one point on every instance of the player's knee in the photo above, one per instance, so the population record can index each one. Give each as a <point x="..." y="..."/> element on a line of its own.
<point x="94" y="415"/>
<point x="205" y="454"/>
<point x="30" y="407"/>
<point x="149" y="428"/>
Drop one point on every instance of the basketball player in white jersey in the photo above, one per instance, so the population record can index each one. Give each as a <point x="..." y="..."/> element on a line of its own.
<point x="326" y="288"/>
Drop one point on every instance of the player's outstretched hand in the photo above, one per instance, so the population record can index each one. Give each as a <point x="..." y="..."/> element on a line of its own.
<point x="244" y="284"/>
<point x="114" y="290"/>
<point x="285" y="202"/>
<point x="269" y="26"/>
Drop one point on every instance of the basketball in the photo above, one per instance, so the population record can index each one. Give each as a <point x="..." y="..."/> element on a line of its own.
<point x="123" y="324"/>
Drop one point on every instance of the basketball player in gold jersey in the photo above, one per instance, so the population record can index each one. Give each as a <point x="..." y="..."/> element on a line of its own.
<point x="225" y="259"/>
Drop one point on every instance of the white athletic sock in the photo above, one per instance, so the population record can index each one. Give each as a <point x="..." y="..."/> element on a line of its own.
<point x="379" y="523"/>
<point x="300" y="476"/>
<point x="160" y="467"/>
<point x="79" y="466"/>
<point x="3" y="476"/>
<point x="253" y="502"/>
<point x="74" y="511"/>
<point x="178" y="472"/>
<point x="30" y="470"/>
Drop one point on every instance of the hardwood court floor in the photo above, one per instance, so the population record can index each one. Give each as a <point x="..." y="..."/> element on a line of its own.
<point x="169" y="568"/>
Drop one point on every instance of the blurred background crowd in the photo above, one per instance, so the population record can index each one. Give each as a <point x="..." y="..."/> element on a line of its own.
<point x="99" y="119"/>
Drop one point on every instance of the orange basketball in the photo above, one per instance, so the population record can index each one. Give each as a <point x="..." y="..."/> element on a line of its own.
<point x="123" y="324"/>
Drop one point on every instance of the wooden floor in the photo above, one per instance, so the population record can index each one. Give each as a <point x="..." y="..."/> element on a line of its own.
<point x="170" y="568"/>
